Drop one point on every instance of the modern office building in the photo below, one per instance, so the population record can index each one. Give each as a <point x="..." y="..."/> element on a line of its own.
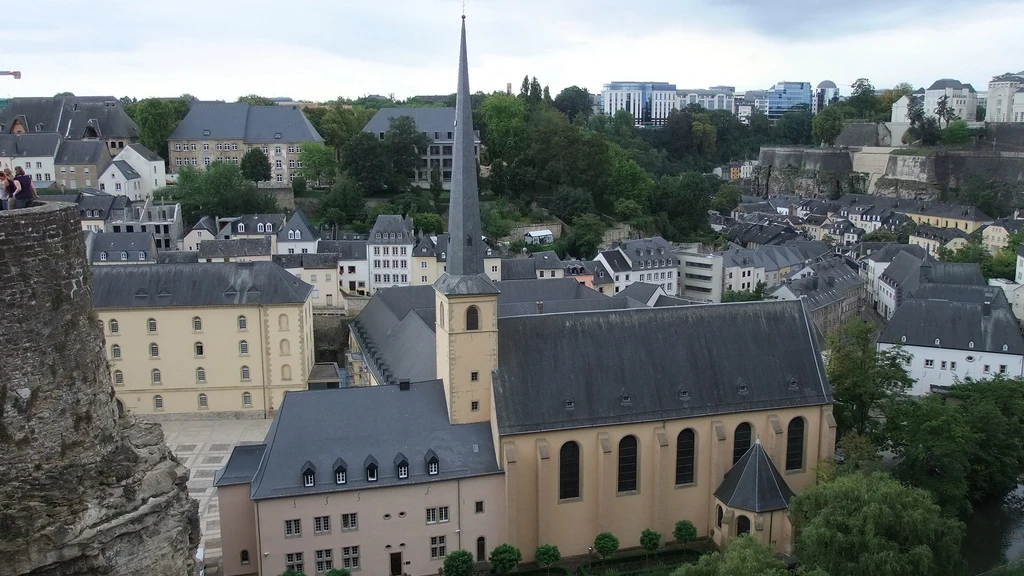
<point x="787" y="96"/>
<point x="714" y="98"/>
<point x="825" y="95"/>
<point x="650" y="103"/>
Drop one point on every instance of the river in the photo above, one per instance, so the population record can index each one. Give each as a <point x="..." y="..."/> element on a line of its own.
<point x="995" y="533"/>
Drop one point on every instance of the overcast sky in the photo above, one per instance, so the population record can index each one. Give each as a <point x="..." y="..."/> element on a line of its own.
<point x="318" y="50"/>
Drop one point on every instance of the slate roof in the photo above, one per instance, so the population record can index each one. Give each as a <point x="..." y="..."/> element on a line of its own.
<point x="640" y="291"/>
<point x="518" y="269"/>
<point x="207" y="223"/>
<point x="249" y="223"/>
<point x="84" y="152"/>
<point x="381" y="423"/>
<point x="145" y="152"/>
<point x="599" y="270"/>
<point x="645" y="249"/>
<point x="343" y="249"/>
<point x="547" y="260"/>
<point x="942" y="235"/>
<point x="890" y="251"/>
<point x="126" y="169"/>
<point x="70" y="116"/>
<point x="651" y="364"/>
<point x="956" y="325"/>
<point x="251" y="124"/>
<point x="754" y="483"/>
<point x="29" y="145"/>
<point x="1011" y="225"/>
<point x="214" y="284"/>
<point x="946" y="210"/>
<point x="391" y="223"/>
<point x="906" y="273"/>
<point x="318" y="261"/>
<point x="95" y="207"/>
<point x="108" y="247"/>
<point x="237" y="248"/>
<point x="428" y="120"/>
<point x="772" y="257"/>
<point x="177" y="257"/>
<point x="950" y="83"/>
<point x="241" y="465"/>
<point x="828" y="283"/>
<point x="616" y="261"/>
<point x="301" y="224"/>
<point x="761" y="234"/>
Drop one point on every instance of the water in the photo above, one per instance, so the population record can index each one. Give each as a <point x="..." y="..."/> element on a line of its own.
<point x="995" y="533"/>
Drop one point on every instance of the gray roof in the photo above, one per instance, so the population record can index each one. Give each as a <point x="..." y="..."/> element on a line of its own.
<point x="343" y="249"/>
<point x="429" y="120"/>
<point x="761" y="234"/>
<point x="317" y="261"/>
<point x="381" y="423"/>
<point x="643" y="365"/>
<point x="890" y="251"/>
<point x="108" y="247"/>
<point x="907" y="272"/>
<point x="126" y="170"/>
<point x="241" y="465"/>
<point x="464" y="284"/>
<point x="945" y="210"/>
<point x="518" y="269"/>
<point x="215" y="284"/>
<point x="616" y="261"/>
<point x="950" y="83"/>
<point x="29" y="145"/>
<point x="1011" y="225"/>
<point x="639" y="291"/>
<point x="298" y="223"/>
<point x="145" y="152"/>
<point x="177" y="257"/>
<point x="773" y="257"/>
<point x="940" y="234"/>
<point x="237" y="248"/>
<point x="207" y="223"/>
<point x="599" y="270"/>
<point x="956" y="325"/>
<point x="828" y="282"/>
<point x="71" y="116"/>
<point x="251" y="124"/>
<point x="391" y="223"/>
<point x="84" y="152"/>
<point x="250" y="222"/>
<point x="95" y="207"/>
<point x="325" y="371"/>
<point x="437" y="246"/>
<point x="754" y="484"/>
<point x="645" y="249"/>
<point x="546" y="260"/>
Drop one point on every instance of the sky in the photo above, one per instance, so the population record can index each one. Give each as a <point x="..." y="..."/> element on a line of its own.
<point x="320" y="50"/>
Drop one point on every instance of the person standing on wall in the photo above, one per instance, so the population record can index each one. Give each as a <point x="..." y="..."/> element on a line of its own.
<point x="4" y="195"/>
<point x="26" y="191"/>
<point x="10" y="188"/>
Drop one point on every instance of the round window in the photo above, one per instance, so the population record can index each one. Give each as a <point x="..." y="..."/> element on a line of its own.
<point x="969" y="358"/>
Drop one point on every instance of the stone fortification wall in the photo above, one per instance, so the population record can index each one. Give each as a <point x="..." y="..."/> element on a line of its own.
<point x="83" y="489"/>
<point x="808" y="172"/>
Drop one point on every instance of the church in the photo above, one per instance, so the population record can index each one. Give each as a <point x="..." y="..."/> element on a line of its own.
<point x="531" y="412"/>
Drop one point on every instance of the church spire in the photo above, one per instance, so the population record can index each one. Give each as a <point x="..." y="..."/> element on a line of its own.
<point x="466" y="249"/>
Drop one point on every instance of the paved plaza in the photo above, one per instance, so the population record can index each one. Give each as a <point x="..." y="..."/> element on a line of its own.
<point x="204" y="446"/>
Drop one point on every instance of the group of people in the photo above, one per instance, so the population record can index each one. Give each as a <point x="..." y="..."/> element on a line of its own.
<point x="16" y="190"/>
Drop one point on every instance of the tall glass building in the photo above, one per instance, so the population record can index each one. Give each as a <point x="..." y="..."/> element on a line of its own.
<point x="649" y="102"/>
<point x="788" y="96"/>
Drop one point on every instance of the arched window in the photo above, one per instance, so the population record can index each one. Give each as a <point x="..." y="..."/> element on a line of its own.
<point x="741" y="441"/>
<point x="151" y="325"/>
<point x="243" y="324"/>
<point x="154" y="350"/>
<point x="298" y="234"/>
<point x="246" y="399"/>
<point x="286" y="348"/>
<point x="124" y="255"/>
<point x="259" y="227"/>
<point x="118" y="377"/>
<point x="113" y="326"/>
<point x="155" y="376"/>
<point x="481" y="549"/>
<point x="270" y="227"/>
<point x="200" y="374"/>
<point x="718" y="516"/>
<point x="158" y="402"/>
<point x="685" y="452"/>
<point x="282" y="322"/>
<point x="627" y="464"/>
<point x="203" y="402"/>
<point x="742" y="525"/>
<point x="243" y="347"/>
<point x="244" y="556"/>
<point x="245" y="372"/>
<point x="569" y="470"/>
<point x="795" y="444"/>
<point x="199" y="348"/>
<point x="197" y="324"/>
<point x="291" y="235"/>
<point x="286" y="372"/>
<point x="241" y="228"/>
<point x="440" y="315"/>
<point x="115" y="352"/>
<point x="472" y="318"/>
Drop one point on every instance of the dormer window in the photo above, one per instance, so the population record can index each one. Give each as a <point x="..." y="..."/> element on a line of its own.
<point x="124" y="255"/>
<point x="432" y="468"/>
<point x="432" y="463"/>
<point x="291" y="235"/>
<point x="1005" y="347"/>
<point x="936" y="341"/>
<point x="206" y="132"/>
<point x="270" y="227"/>
<point x="402" y="466"/>
<point x="340" y="471"/>
<point x="403" y="471"/>
<point x="259" y="227"/>
<point x="624" y="398"/>
<point x="371" y="473"/>
<point x="298" y="235"/>
<point x="970" y="344"/>
<point x="339" y="477"/>
<point x="241" y="228"/>
<point x="308" y="474"/>
<point x="569" y="403"/>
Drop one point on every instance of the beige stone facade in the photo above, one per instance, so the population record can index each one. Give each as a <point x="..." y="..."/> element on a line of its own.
<point x="284" y="157"/>
<point x="75" y="176"/>
<point x="427" y="269"/>
<point x="242" y="359"/>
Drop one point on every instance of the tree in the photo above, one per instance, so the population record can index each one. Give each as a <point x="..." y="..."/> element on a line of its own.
<point x="684" y="532"/>
<point x="496" y="224"/>
<point x="436" y="189"/>
<point x="428" y="222"/>
<point x="864" y="380"/>
<point x="727" y="198"/>
<point x="873" y="524"/>
<point x="338" y="122"/>
<point x="344" y="204"/>
<point x="505" y="558"/>
<point x="680" y="205"/>
<point x="404" y="143"/>
<point x="795" y="127"/>
<point x="547" y="555"/>
<point x="956" y="132"/>
<point x="650" y="541"/>
<point x="862" y="102"/>
<point x="574" y="101"/>
<point x="827" y="126"/>
<point x="299" y="186"/>
<point x="338" y="572"/>
<point x="704" y="135"/>
<point x="745" y="556"/>
<point x="943" y="111"/>
<point x="606" y="544"/>
<point x="755" y="295"/>
<point x="219" y="190"/>
<point x="255" y="165"/>
<point x="256" y="100"/>
<point x="318" y="162"/>
<point x="292" y="572"/>
<point x="879" y="235"/>
<point x="504" y="132"/>
<point x="570" y="202"/>
<point x="994" y="412"/>
<point x="366" y="160"/>
<point x="157" y="120"/>
<point x="585" y="237"/>
<point x="458" y="563"/>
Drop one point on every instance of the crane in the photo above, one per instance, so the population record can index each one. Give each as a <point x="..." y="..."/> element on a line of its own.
<point x="15" y="73"/>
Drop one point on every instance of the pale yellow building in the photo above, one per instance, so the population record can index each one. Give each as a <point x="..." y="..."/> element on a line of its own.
<point x="931" y="239"/>
<point x="204" y="338"/>
<point x="942" y="215"/>
<point x="996" y="235"/>
<point x="319" y="271"/>
<point x="430" y="258"/>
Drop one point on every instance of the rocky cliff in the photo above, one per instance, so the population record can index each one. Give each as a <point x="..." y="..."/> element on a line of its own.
<point x="83" y="489"/>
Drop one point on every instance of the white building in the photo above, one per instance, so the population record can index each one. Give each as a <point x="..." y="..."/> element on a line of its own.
<point x="353" y="267"/>
<point x="1005" y="102"/>
<point x="956" y="332"/>
<point x="150" y="166"/>
<point x="205" y="229"/>
<point x="714" y="98"/>
<point x="901" y="109"/>
<point x="650" y="103"/>
<point x="962" y="98"/>
<point x="297" y="236"/>
<point x="389" y="250"/>
<point x="539" y="237"/>
<point x="648" y="260"/>
<point x="120" y="179"/>
<point x="33" y="152"/>
<point x="875" y="263"/>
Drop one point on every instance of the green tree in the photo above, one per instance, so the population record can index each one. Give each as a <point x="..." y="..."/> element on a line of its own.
<point x="338" y="572"/>
<point x="219" y="190"/>
<point x="745" y="556"/>
<point x="404" y="143"/>
<point x="366" y="160"/>
<point x="684" y="532"/>
<point x="299" y="186"/>
<point x="680" y="205"/>
<point x="337" y="122"/>
<point x="860" y="524"/>
<point x="504" y="132"/>
<point x="727" y="198"/>
<point x="956" y="132"/>
<point x="574" y="101"/>
<point x="795" y="127"/>
<point x="255" y="165"/>
<point x="994" y="412"/>
<point x="496" y="224"/>
<point x="862" y="102"/>
<point x="704" y="134"/>
<point x="879" y="235"/>
<point x="756" y="295"/>
<point x="943" y="111"/>
<point x="344" y="204"/>
<point x="585" y="237"/>
<point x="547" y="555"/>
<point x="827" y="126"/>
<point x="570" y="202"/>
<point x="436" y="190"/>
<point x="458" y="563"/>
<point x="157" y="119"/>
<point x="505" y="558"/>
<point x="606" y="544"/>
<point x="626" y="181"/>
<point x="256" y="100"/>
<point x="318" y="162"/>
<point x="428" y="222"/>
<point x="650" y="541"/>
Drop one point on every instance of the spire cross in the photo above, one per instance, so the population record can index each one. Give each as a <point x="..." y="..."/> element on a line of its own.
<point x="463" y="8"/>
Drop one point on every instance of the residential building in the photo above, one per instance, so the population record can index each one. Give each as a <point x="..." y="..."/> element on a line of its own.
<point x="650" y="103"/>
<point x="749" y="102"/>
<point x="33" y="152"/>
<point x="833" y="289"/>
<point x="906" y="273"/>
<point x="648" y="260"/>
<point x="578" y="270"/>
<point x="94" y="210"/>
<point x="148" y="164"/>
<point x="120" y="179"/>
<point x="943" y="215"/>
<point x="754" y="236"/>
<point x="996" y="235"/>
<point x="430" y="261"/>
<point x="953" y="333"/>
<point x="961" y="98"/>
<point x="874" y="264"/>
<point x="317" y="270"/>
<point x="438" y="124"/>
<point x="1006" y="98"/>
<point x="206" y="228"/>
<point x="602" y="279"/>
<point x="297" y="236"/>
<point x="483" y="428"/>
<point x="744" y="269"/>
<point x="788" y="96"/>
<point x="237" y="250"/>
<point x="224" y="132"/>
<point x="931" y="239"/>
<point x="129" y="248"/>
<point x="353" y="266"/>
<point x="816" y="226"/>
<point x="538" y="265"/>
<point x="843" y="233"/>
<point x="159" y="218"/>
<point x="389" y="249"/>
<point x="715" y="98"/>
<point x="1019" y="271"/>
<point x="204" y="338"/>
<point x="73" y="118"/>
<point x="700" y="276"/>
<point x="79" y="163"/>
<point x="825" y="95"/>
<point x="252" y="226"/>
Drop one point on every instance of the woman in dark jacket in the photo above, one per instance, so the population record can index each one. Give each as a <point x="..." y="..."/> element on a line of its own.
<point x="26" y="191"/>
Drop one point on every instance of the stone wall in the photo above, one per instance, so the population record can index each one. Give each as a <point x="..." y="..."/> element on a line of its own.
<point x="807" y="172"/>
<point x="83" y="489"/>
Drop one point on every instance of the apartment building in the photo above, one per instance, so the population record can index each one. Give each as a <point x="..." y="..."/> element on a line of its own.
<point x="430" y="260"/>
<point x="833" y="288"/>
<point x="319" y="271"/>
<point x="135" y="172"/>
<point x="907" y="273"/>
<point x="700" y="276"/>
<point x="297" y="236"/>
<point x="438" y="124"/>
<point x="353" y="266"/>
<point x="706" y="277"/>
<point x="100" y="118"/>
<point x="80" y="163"/>
<point x="996" y="236"/>
<point x="648" y="260"/>
<point x="931" y="239"/>
<point x="204" y="338"/>
<point x="943" y="215"/>
<point x="224" y="132"/>
<point x="107" y="248"/>
<point x="874" y="264"/>
<point x="33" y="152"/>
<point x="161" y="219"/>
<point x="961" y="98"/>
<point x="389" y="250"/>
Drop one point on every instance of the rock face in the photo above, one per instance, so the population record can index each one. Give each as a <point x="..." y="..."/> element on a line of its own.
<point x="83" y="489"/>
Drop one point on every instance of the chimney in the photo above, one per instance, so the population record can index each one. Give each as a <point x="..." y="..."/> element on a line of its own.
<point x="540" y="307"/>
<point x="403" y="384"/>
<point x="986" y="308"/>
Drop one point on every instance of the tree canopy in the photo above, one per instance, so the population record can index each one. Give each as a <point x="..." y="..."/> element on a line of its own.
<point x="255" y="165"/>
<point x="219" y="190"/>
